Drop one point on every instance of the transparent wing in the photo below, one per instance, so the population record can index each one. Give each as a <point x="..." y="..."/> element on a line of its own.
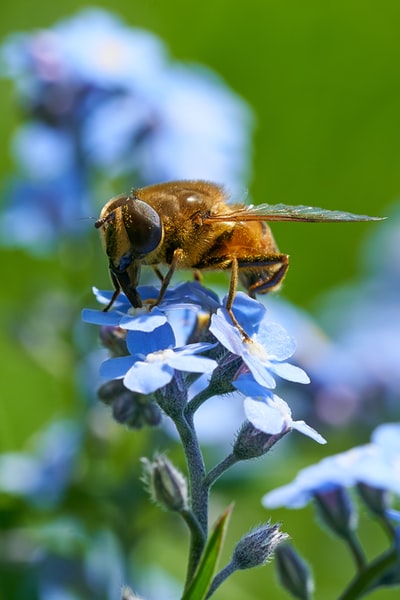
<point x="284" y="212"/>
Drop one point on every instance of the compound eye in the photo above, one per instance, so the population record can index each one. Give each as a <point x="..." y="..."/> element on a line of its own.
<point x="143" y="226"/>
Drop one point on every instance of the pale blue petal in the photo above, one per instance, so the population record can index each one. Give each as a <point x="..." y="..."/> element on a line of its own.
<point x="146" y="322"/>
<point x="387" y="436"/>
<point x="146" y="378"/>
<point x="260" y="372"/>
<point x="290" y="372"/>
<point x="291" y="496"/>
<point x="275" y="340"/>
<point x="264" y="416"/>
<point x="226" y="334"/>
<point x="309" y="431"/>
<point x="192" y="364"/>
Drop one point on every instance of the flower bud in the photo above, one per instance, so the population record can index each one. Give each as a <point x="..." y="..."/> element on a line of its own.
<point x="129" y="408"/>
<point x="257" y="546"/>
<point x="167" y="486"/>
<point x="337" y="511"/>
<point x="377" y="500"/>
<point x="293" y="572"/>
<point x="251" y="442"/>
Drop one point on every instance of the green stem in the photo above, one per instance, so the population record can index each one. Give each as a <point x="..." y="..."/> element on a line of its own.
<point x="220" y="577"/>
<point x="197" y="401"/>
<point x="370" y="573"/>
<point x="219" y="469"/>
<point x="197" y="541"/>
<point x="357" y="552"/>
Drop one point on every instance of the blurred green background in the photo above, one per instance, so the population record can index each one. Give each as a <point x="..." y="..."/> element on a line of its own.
<point x="323" y="80"/>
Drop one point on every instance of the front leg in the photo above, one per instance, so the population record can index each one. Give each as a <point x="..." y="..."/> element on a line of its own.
<point x="177" y="256"/>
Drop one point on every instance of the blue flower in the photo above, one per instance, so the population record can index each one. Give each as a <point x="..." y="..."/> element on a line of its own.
<point x="154" y="359"/>
<point x="266" y="350"/>
<point x="268" y="412"/>
<point x="123" y="314"/>
<point x="376" y="464"/>
<point x="180" y="307"/>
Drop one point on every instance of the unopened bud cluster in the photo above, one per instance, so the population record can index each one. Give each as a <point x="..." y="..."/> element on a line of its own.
<point x="129" y="408"/>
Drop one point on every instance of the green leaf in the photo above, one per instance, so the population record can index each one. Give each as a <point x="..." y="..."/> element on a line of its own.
<point x="203" y="577"/>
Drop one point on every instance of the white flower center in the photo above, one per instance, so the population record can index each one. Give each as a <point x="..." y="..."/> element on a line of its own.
<point x="159" y="355"/>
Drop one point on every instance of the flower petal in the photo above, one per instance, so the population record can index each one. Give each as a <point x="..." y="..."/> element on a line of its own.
<point x="146" y="322"/>
<point x="309" y="431"/>
<point x="264" y="416"/>
<point x="99" y="317"/>
<point x="290" y="372"/>
<point x="114" y="368"/>
<point x="192" y="364"/>
<point x="146" y="378"/>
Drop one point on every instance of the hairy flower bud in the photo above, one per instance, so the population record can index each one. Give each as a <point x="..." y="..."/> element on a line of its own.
<point x="167" y="486"/>
<point x="293" y="572"/>
<point x="257" y="546"/>
<point x="251" y="442"/>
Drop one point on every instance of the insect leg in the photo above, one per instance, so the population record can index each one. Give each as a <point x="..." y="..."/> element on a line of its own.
<point x="197" y="276"/>
<point x="231" y="296"/>
<point x="158" y="273"/>
<point x="166" y="280"/>
<point x="261" y="275"/>
<point x="116" y="291"/>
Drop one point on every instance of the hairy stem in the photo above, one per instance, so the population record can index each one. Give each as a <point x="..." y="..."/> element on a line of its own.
<point x="218" y="470"/>
<point x="220" y="577"/>
<point x="198" y="494"/>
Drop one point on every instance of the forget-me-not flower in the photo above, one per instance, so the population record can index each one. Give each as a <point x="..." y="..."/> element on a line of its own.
<point x="266" y="350"/>
<point x="154" y="359"/>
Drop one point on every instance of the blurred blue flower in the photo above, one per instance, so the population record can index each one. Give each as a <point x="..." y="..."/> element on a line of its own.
<point x="43" y="475"/>
<point x="104" y="99"/>
<point x="266" y="351"/>
<point x="376" y="464"/>
<point x="154" y="359"/>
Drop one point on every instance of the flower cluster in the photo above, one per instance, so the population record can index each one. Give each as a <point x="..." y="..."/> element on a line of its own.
<point x="191" y="335"/>
<point x="103" y="100"/>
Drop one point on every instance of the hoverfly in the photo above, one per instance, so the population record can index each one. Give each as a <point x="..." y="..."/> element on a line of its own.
<point x="190" y="225"/>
